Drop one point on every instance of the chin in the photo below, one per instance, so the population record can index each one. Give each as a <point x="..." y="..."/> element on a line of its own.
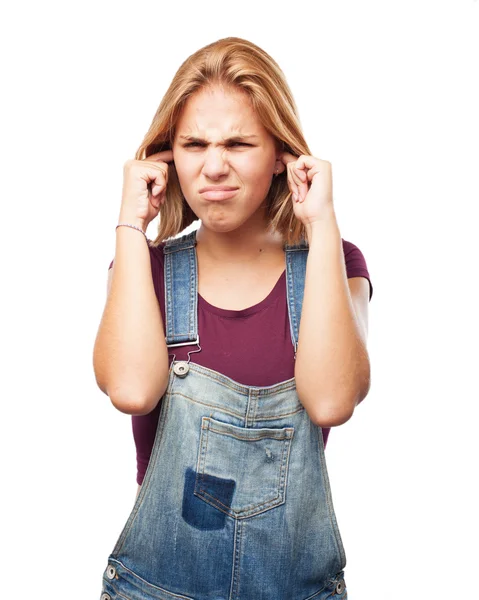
<point x="222" y="225"/>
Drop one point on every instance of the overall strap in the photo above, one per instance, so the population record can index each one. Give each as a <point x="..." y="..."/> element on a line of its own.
<point x="296" y="257"/>
<point x="181" y="291"/>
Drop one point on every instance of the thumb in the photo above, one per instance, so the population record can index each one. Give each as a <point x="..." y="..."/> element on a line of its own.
<point x="158" y="185"/>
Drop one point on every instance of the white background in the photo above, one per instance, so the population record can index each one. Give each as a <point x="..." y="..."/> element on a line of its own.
<point x="387" y="92"/>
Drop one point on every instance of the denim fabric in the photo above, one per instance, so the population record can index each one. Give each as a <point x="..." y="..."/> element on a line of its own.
<point x="235" y="503"/>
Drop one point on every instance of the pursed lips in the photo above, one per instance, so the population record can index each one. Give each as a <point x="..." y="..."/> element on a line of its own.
<point x="217" y="188"/>
<point x="219" y="192"/>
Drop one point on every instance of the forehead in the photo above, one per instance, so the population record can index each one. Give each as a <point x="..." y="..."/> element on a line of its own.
<point x="218" y="109"/>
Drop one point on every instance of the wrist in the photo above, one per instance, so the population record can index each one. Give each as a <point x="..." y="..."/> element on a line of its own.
<point x="327" y="223"/>
<point x="131" y="220"/>
<point x="133" y="228"/>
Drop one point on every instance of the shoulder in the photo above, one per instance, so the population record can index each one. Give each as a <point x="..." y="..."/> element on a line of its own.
<point x="356" y="263"/>
<point x="181" y="242"/>
<point x="156" y="253"/>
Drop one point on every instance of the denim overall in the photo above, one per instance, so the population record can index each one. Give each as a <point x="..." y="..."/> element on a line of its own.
<point x="235" y="503"/>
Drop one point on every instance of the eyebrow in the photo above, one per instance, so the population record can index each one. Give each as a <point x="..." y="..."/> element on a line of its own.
<point x="236" y="138"/>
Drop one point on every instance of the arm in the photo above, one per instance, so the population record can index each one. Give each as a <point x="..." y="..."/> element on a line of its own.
<point x="332" y="364"/>
<point x="130" y="356"/>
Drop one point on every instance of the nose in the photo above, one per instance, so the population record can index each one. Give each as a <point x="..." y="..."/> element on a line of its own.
<point x="215" y="165"/>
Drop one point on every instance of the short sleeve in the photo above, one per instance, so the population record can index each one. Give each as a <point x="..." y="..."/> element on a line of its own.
<point x="356" y="264"/>
<point x="157" y="260"/>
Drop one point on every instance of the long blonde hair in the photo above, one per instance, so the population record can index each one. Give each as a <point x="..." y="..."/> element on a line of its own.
<point x="238" y="63"/>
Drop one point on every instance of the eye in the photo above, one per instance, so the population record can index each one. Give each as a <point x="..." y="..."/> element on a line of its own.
<point x="195" y="144"/>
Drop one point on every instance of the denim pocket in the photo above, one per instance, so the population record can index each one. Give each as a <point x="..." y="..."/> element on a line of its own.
<point x="242" y="471"/>
<point x="120" y="583"/>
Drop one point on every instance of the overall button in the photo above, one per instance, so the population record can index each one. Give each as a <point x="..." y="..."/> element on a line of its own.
<point x="181" y="368"/>
<point x="340" y="587"/>
<point x="110" y="572"/>
<point x="105" y="597"/>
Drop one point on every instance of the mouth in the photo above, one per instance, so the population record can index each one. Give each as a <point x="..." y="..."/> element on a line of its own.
<point x="219" y="194"/>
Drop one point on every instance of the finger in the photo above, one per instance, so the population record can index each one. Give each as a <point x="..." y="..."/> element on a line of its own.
<point x="157" y="179"/>
<point x="164" y="155"/>
<point x="299" y="178"/>
<point x="157" y="188"/>
<point x="161" y="179"/>
<point x="287" y="157"/>
<point x="303" y="185"/>
<point x="301" y="174"/>
<point x="305" y="160"/>
<point x="294" y="185"/>
<point x="156" y="168"/>
<point x="159" y="199"/>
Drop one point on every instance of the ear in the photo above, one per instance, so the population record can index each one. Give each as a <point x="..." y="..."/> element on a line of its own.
<point x="279" y="165"/>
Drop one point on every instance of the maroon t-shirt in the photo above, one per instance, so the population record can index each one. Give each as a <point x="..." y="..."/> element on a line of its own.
<point x="252" y="346"/>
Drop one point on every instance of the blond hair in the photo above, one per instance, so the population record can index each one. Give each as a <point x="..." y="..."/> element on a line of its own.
<point x="236" y="63"/>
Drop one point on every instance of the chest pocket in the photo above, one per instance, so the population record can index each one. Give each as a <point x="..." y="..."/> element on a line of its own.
<point x="242" y="471"/>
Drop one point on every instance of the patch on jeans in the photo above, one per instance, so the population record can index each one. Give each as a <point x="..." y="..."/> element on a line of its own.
<point x="199" y="513"/>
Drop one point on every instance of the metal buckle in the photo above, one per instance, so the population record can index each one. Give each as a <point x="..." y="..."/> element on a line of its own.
<point x="182" y="367"/>
<point x="197" y="342"/>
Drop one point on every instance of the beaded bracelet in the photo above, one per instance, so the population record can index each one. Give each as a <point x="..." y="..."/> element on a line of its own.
<point x="134" y="227"/>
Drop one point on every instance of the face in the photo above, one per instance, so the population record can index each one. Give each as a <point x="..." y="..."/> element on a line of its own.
<point x="220" y="143"/>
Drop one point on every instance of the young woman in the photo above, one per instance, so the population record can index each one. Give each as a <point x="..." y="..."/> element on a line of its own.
<point x="235" y="347"/>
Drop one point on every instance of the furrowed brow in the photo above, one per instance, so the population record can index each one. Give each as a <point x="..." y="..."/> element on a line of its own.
<point x="236" y="138"/>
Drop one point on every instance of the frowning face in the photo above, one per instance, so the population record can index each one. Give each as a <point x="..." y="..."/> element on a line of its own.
<point x="221" y="143"/>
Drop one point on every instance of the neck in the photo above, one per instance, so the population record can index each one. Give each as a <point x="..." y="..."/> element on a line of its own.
<point x="244" y="244"/>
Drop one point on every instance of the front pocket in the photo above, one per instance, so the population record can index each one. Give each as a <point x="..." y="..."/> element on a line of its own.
<point x="121" y="583"/>
<point x="242" y="471"/>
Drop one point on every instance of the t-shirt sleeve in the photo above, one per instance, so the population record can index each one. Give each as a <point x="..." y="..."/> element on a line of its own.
<point x="156" y="261"/>
<point x="356" y="264"/>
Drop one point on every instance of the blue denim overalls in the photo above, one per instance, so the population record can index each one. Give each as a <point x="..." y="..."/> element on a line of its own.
<point x="235" y="503"/>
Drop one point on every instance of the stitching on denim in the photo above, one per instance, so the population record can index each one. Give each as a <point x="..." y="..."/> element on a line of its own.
<point x="282" y="438"/>
<point x="327" y="491"/>
<point x="252" y="508"/>
<point x="193" y="308"/>
<point x="184" y="243"/>
<point x="150" y="468"/>
<point x="224" y="410"/>
<point x="240" y="552"/>
<point x="292" y="301"/>
<point x="244" y="389"/>
<point x="148" y="584"/>
<point x="116" y="591"/>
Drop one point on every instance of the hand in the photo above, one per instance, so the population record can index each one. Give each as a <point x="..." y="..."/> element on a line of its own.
<point x="140" y="204"/>
<point x="311" y="186"/>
